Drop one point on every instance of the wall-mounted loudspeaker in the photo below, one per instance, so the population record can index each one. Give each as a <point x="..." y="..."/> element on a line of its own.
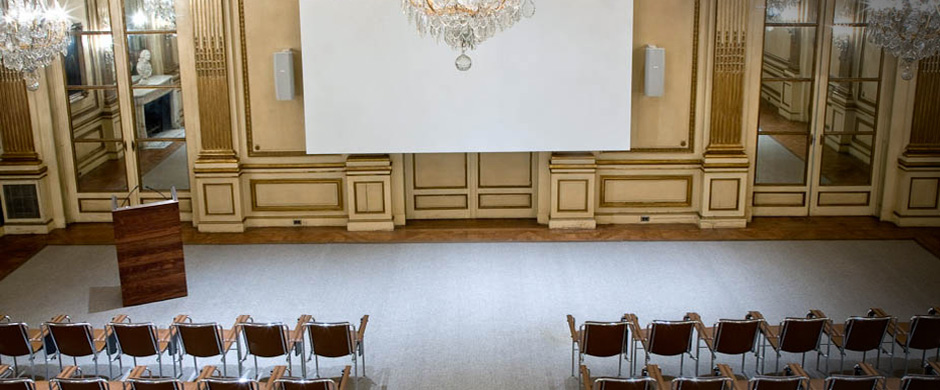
<point x="284" y="75"/>
<point x="655" y="82"/>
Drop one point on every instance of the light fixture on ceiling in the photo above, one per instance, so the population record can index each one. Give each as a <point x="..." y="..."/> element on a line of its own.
<point x="162" y="10"/>
<point x="32" y="35"/>
<point x="908" y="29"/>
<point x="464" y="24"/>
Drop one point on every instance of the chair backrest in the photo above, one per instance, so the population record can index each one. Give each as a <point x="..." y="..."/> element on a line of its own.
<point x="670" y="338"/>
<point x="715" y="383"/>
<point x="266" y="340"/>
<point x="330" y="339"/>
<point x="138" y="340"/>
<point x="72" y="338"/>
<point x="14" y="339"/>
<point x="734" y="337"/>
<point x="925" y="332"/>
<point x="920" y="382"/>
<point x="603" y="339"/>
<point x="155" y="384"/>
<point x="646" y="383"/>
<point x="80" y="384"/>
<point x="776" y="383"/>
<point x="17" y="384"/>
<point x="200" y="340"/>
<point x="801" y="335"/>
<point x="227" y="384"/>
<point x="842" y="382"/>
<point x="295" y="384"/>
<point x="865" y="333"/>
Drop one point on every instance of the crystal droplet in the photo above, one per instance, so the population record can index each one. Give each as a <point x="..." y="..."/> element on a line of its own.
<point x="464" y="62"/>
<point x="528" y="8"/>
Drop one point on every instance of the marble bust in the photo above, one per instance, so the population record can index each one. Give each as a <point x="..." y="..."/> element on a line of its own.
<point x="144" y="68"/>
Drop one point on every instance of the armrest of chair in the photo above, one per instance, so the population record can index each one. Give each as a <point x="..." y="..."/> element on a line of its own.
<point x="237" y="326"/>
<point x="798" y="370"/>
<point x="828" y="329"/>
<point x="68" y="372"/>
<point x="725" y="371"/>
<point x="572" y="328"/>
<point x="120" y="318"/>
<point x="298" y="333"/>
<point x="345" y="379"/>
<point x="892" y="326"/>
<point x="700" y="328"/>
<point x="586" y="377"/>
<point x="867" y="369"/>
<point x="764" y="326"/>
<point x="276" y="374"/>
<point x="634" y="324"/>
<point x="653" y="371"/>
<point x="4" y="369"/>
<point x="206" y="373"/>
<point x="57" y="319"/>
<point x="363" y="322"/>
<point x="137" y="372"/>
<point x="935" y="310"/>
<point x="933" y="368"/>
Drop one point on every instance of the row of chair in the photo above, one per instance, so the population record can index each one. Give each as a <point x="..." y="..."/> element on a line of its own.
<point x="208" y="379"/>
<point x="61" y="337"/>
<point x="794" y="378"/>
<point x="798" y="335"/>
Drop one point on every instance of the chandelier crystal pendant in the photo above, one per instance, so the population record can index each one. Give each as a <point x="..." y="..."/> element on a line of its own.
<point x="32" y="35"/>
<point x="908" y="29"/>
<point x="464" y="24"/>
<point x="164" y="10"/>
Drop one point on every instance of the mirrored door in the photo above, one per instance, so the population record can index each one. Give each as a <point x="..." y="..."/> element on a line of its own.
<point x="819" y="98"/>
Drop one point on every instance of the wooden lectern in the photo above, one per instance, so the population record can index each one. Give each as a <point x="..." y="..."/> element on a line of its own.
<point x="150" y="251"/>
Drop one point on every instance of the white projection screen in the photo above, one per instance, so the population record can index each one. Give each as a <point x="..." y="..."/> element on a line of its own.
<point x="559" y="81"/>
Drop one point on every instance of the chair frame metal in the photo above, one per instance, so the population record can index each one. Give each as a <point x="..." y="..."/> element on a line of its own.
<point x="153" y="339"/>
<point x="848" y="332"/>
<point x="285" y="344"/>
<point x="353" y="346"/>
<point x="755" y="344"/>
<point x="174" y="328"/>
<point x="649" y="339"/>
<point x="279" y="384"/>
<point x="29" y="384"/>
<point x="24" y="330"/>
<point x="676" y="383"/>
<point x="905" y="381"/>
<point x="624" y="349"/>
<point x="56" y="383"/>
<point x="89" y="334"/>
<point x="782" y="335"/>
<point x="831" y="380"/>
<point x="910" y="336"/>
<point x="650" y="383"/>
<point x="753" y="382"/>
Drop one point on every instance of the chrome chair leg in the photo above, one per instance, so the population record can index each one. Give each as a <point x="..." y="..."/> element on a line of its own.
<point x="572" y="358"/>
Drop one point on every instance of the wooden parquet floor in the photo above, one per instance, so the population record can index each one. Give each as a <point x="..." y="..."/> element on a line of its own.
<point x="16" y="250"/>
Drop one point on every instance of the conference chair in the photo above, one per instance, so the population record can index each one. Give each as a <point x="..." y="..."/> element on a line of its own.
<point x="858" y="334"/>
<point x="313" y="384"/>
<point x="730" y="337"/>
<point x="78" y="384"/>
<point x="337" y="339"/>
<point x="268" y="340"/>
<point x="917" y="382"/>
<point x="78" y="339"/>
<point x="154" y="384"/>
<point x="923" y="333"/>
<point x="848" y="382"/>
<point x="227" y="384"/>
<point x="204" y="340"/>
<point x="16" y="339"/>
<point x="139" y="340"/>
<point x="703" y="383"/>
<point x="7" y="371"/>
<point x="607" y="383"/>
<point x="664" y="338"/>
<point x="17" y="384"/>
<point x="793" y="335"/>
<point x="775" y="383"/>
<point x="598" y="339"/>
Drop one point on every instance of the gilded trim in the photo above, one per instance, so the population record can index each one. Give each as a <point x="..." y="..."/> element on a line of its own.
<point x="215" y="119"/>
<point x="356" y="196"/>
<point x="529" y="171"/>
<point x="587" y="194"/>
<point x="253" y="184"/>
<point x="737" y="195"/>
<point x="16" y="129"/>
<point x="205" y="199"/>
<point x="689" y="179"/>
<point x="925" y="129"/>
<point x="650" y="162"/>
<point x="910" y="193"/>
<point x="466" y="201"/>
<point x="727" y="111"/>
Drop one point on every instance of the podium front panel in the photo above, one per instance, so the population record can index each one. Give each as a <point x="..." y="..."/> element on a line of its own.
<point x="150" y="253"/>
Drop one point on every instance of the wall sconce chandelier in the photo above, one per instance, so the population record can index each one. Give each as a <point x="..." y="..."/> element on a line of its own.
<point x="908" y="29"/>
<point x="32" y="35"/>
<point x="464" y="24"/>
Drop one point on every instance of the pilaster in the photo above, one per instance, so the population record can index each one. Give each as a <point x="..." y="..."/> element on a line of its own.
<point x="369" y="193"/>
<point x="573" y="179"/>
<point x="216" y="167"/>
<point x="918" y="200"/>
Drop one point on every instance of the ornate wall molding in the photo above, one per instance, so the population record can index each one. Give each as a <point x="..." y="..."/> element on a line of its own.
<point x="925" y="129"/>
<point x="727" y="110"/>
<point x="16" y="130"/>
<point x="215" y="118"/>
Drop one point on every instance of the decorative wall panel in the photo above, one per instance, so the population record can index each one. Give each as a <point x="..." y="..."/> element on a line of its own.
<point x="925" y="127"/>
<point x="16" y="131"/>
<point x="215" y="120"/>
<point x="728" y="79"/>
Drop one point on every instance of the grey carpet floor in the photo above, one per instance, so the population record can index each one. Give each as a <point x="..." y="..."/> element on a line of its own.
<point x="475" y="316"/>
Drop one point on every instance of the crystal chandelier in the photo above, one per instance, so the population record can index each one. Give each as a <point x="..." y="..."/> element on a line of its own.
<point x="32" y="35"/>
<point x="777" y="8"/>
<point x="908" y="29"/>
<point x="464" y="24"/>
<point x="164" y="10"/>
